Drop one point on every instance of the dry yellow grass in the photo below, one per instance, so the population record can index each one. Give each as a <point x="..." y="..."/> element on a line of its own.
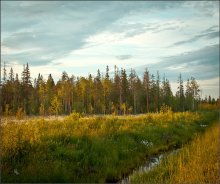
<point x="199" y="162"/>
<point x="196" y="163"/>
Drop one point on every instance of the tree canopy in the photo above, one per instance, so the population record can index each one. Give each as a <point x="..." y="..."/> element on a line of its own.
<point x="123" y="93"/>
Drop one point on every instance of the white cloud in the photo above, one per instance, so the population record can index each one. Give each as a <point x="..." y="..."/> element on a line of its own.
<point x="105" y="37"/>
<point x="57" y="36"/>
<point x="9" y="51"/>
<point x="179" y="67"/>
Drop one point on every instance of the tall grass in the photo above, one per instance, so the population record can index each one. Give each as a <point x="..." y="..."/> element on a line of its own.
<point x="91" y="149"/>
<point x="197" y="162"/>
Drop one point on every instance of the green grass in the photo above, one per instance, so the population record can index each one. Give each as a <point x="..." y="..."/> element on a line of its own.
<point x="94" y="149"/>
<point x="197" y="162"/>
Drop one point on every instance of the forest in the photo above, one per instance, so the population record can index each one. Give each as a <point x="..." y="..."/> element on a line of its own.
<point x="123" y="93"/>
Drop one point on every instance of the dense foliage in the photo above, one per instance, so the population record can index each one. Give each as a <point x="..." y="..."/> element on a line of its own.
<point x="100" y="94"/>
<point x="91" y="149"/>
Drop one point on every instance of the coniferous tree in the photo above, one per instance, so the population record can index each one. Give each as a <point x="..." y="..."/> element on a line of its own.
<point x="120" y="94"/>
<point x="11" y="75"/>
<point x="90" y="96"/>
<point x="98" y="92"/>
<point x="50" y="85"/>
<point x="106" y="90"/>
<point x="157" y="96"/>
<point x="4" y="79"/>
<point x="133" y="91"/>
<point x="26" y="89"/>
<point x="42" y="97"/>
<point x="124" y="86"/>
<point x="152" y="94"/>
<point x="17" y="95"/>
<point x="188" y="96"/>
<point x="180" y="94"/>
<point x="146" y="87"/>
<point x="116" y="92"/>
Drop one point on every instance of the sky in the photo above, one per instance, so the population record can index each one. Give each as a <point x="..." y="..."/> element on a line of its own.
<point x="171" y="37"/>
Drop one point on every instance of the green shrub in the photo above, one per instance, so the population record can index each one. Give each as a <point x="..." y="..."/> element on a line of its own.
<point x="74" y="116"/>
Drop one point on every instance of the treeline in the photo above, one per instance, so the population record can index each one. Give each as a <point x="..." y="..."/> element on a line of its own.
<point x="101" y="94"/>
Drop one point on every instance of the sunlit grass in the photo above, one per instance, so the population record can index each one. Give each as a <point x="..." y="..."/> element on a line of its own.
<point x="197" y="162"/>
<point x="91" y="149"/>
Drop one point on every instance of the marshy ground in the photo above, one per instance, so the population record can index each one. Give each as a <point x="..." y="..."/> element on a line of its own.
<point x="95" y="149"/>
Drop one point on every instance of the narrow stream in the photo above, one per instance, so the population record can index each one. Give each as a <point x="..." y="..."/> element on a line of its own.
<point x="150" y="164"/>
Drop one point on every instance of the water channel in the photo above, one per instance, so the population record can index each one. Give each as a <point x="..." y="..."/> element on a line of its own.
<point x="148" y="165"/>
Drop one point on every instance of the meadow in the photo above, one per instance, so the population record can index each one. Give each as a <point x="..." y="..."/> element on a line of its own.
<point x="95" y="149"/>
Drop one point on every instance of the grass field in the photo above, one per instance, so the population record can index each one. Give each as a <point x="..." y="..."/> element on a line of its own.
<point x="197" y="162"/>
<point x="92" y="149"/>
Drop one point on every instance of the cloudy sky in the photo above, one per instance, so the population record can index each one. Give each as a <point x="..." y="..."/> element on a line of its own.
<point x="80" y="37"/>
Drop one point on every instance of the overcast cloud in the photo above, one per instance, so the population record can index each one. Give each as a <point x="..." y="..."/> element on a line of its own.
<point x="80" y="37"/>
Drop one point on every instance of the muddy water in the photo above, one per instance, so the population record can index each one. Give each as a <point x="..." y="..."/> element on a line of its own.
<point x="150" y="164"/>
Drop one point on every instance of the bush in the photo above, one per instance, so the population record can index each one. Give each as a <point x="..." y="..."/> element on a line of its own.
<point x="20" y="113"/>
<point x="74" y="116"/>
<point x="165" y="109"/>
